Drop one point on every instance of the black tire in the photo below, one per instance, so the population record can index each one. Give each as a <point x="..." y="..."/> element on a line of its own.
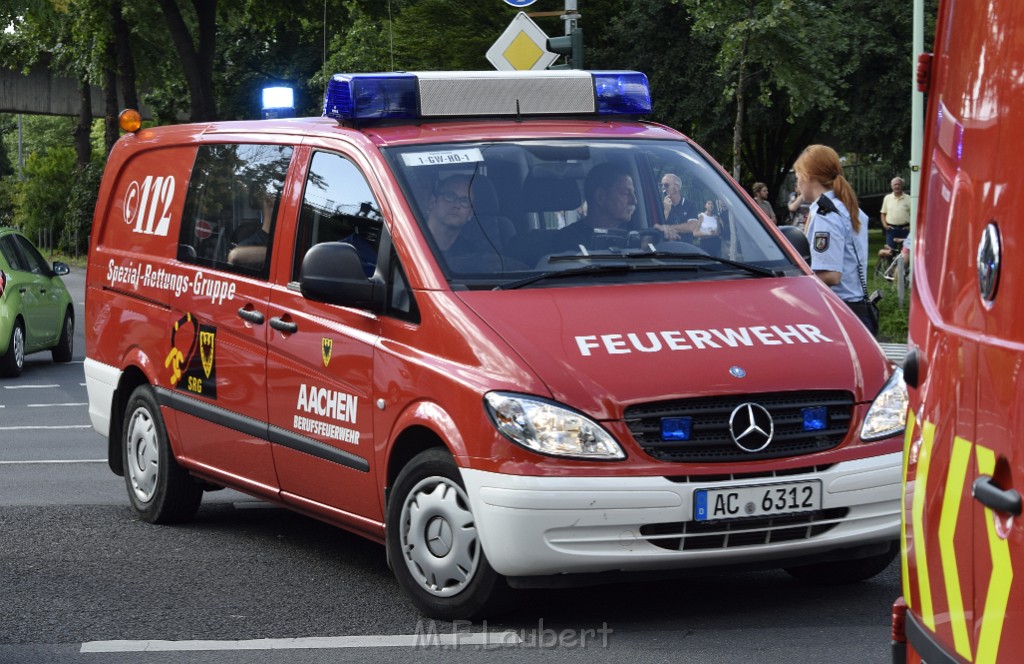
<point x="65" y="347"/>
<point x="160" y="491"/>
<point x="453" y="580"/>
<point x="881" y="265"/>
<point x="13" y="361"/>
<point x="842" y="572"/>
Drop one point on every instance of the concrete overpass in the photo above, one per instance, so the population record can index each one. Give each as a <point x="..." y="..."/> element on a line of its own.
<point x="42" y="93"/>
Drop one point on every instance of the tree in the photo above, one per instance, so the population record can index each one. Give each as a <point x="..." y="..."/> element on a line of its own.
<point x="195" y="53"/>
<point x="797" y="47"/>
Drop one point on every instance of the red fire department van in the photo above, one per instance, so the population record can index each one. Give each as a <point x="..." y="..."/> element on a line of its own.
<point x="963" y="544"/>
<point x="458" y="315"/>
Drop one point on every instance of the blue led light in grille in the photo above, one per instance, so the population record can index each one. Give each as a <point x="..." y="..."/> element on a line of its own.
<point x="815" y="419"/>
<point x="676" y="428"/>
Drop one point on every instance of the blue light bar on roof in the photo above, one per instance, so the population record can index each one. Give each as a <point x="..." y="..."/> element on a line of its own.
<point x="622" y="93"/>
<point x="353" y="97"/>
<point x="372" y="97"/>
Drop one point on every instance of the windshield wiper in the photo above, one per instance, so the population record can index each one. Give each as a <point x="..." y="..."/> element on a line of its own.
<point x="753" y="269"/>
<point x="588" y="269"/>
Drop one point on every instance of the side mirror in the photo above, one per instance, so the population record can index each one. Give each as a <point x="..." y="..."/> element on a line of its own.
<point x="60" y="269"/>
<point x="331" y="272"/>
<point x="798" y="239"/>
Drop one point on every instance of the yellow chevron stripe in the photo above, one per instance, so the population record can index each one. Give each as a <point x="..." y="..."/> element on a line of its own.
<point x="998" y="595"/>
<point x="904" y="563"/>
<point x="951" y="501"/>
<point x="924" y="458"/>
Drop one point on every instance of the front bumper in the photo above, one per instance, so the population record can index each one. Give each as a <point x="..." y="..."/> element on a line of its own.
<point x="533" y="526"/>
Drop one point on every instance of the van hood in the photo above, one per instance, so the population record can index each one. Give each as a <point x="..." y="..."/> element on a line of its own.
<point x="601" y="349"/>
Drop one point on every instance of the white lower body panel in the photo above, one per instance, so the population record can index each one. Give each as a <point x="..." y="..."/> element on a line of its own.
<point x="532" y="526"/>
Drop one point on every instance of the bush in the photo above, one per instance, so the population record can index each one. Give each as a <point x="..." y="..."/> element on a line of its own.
<point x="892" y="315"/>
<point x="81" y="204"/>
<point x="42" y="197"/>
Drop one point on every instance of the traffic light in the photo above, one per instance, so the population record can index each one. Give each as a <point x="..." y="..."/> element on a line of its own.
<point x="571" y="46"/>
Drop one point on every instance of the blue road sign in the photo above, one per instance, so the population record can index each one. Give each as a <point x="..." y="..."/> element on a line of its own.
<point x="520" y="3"/>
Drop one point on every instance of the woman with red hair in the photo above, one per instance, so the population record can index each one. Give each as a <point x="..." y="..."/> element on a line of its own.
<point x="839" y="238"/>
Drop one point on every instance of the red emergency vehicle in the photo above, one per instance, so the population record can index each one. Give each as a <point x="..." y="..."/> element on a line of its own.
<point x="459" y="316"/>
<point x="963" y="544"/>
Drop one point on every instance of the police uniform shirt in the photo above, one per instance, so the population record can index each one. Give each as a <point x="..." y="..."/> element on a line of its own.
<point x="833" y="244"/>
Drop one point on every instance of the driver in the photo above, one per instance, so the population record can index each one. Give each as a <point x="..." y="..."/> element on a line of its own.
<point x="611" y="201"/>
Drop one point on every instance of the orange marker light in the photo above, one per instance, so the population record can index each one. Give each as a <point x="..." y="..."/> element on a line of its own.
<point x="129" y="120"/>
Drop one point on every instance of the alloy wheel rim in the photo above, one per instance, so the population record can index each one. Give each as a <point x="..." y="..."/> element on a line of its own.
<point x="19" y="347"/>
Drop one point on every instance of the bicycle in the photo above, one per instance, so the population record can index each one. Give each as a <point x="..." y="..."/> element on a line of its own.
<point x="893" y="266"/>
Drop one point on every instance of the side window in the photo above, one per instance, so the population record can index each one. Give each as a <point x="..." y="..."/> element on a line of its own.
<point x="401" y="303"/>
<point x="337" y="205"/>
<point x="11" y="253"/>
<point x="230" y="209"/>
<point x="36" y="263"/>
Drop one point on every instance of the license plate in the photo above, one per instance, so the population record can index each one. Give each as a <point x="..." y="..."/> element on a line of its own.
<point x="739" y="502"/>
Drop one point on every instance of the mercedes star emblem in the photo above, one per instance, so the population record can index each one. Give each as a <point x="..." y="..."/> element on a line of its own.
<point x="751" y="427"/>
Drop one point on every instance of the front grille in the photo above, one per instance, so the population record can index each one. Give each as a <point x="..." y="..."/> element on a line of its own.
<point x="710" y="440"/>
<point x="701" y="535"/>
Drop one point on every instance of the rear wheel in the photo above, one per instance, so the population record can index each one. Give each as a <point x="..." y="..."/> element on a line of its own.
<point x="159" y="489"/>
<point x="841" y="572"/>
<point x="12" y="362"/>
<point x="66" y="345"/>
<point x="433" y="544"/>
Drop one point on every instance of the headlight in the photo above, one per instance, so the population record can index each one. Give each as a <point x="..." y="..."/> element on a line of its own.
<point x="888" y="413"/>
<point x="546" y="427"/>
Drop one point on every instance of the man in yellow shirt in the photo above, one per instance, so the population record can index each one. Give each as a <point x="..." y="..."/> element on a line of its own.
<point x="896" y="214"/>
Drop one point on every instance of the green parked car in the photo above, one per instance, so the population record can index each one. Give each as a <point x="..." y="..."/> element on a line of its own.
<point x="35" y="307"/>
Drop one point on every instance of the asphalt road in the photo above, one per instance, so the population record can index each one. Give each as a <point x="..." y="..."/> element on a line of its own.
<point x="82" y="580"/>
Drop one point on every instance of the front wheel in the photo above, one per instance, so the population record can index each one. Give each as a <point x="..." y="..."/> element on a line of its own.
<point x="65" y="347"/>
<point x="845" y="571"/>
<point x="434" y="546"/>
<point x="159" y="489"/>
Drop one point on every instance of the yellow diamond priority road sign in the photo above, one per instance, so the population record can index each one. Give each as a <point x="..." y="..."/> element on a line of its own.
<point x="523" y="46"/>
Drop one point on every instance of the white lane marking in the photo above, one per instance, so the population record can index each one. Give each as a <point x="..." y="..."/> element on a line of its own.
<point x="50" y="461"/>
<point x="28" y="387"/>
<point x="509" y="638"/>
<point x="70" y="426"/>
<point x="47" y="405"/>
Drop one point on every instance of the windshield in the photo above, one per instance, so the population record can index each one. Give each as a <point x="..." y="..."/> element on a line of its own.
<point x="556" y="213"/>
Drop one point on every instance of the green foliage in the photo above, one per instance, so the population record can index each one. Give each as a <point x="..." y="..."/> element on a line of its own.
<point x="893" y="316"/>
<point x="8" y="128"/>
<point x="42" y="196"/>
<point x="81" y="203"/>
<point x="838" y="72"/>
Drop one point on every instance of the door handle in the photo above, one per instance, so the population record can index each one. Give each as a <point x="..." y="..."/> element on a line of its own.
<point x="251" y="315"/>
<point x="988" y="494"/>
<point x="283" y="325"/>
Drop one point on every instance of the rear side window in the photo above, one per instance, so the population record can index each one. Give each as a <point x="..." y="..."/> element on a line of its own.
<point x="11" y="254"/>
<point x="231" y="206"/>
<point x="36" y="263"/>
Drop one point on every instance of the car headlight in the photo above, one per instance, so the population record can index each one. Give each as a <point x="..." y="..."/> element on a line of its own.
<point x="888" y="413"/>
<point x="546" y="427"/>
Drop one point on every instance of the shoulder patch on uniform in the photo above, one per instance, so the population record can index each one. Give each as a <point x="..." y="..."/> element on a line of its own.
<point x="821" y="242"/>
